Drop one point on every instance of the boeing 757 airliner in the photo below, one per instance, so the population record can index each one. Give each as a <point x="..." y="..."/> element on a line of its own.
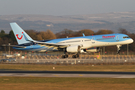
<point x="74" y="45"/>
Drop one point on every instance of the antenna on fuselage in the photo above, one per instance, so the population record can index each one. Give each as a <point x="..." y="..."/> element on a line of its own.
<point x="83" y="34"/>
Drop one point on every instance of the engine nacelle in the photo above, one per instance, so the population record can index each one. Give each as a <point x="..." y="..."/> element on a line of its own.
<point x="93" y="49"/>
<point x="73" y="49"/>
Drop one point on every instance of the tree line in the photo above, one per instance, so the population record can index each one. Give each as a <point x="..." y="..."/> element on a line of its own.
<point x="45" y="35"/>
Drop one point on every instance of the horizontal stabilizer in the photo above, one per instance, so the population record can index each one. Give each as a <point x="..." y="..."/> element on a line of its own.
<point x="14" y="46"/>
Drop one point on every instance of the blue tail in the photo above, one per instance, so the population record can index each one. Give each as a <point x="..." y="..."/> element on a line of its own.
<point x="20" y="34"/>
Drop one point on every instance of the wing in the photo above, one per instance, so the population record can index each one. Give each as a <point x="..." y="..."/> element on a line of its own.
<point x="14" y="46"/>
<point x="50" y="44"/>
<point x="45" y="43"/>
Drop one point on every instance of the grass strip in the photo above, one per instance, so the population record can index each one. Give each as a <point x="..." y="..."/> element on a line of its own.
<point x="33" y="83"/>
<point x="31" y="67"/>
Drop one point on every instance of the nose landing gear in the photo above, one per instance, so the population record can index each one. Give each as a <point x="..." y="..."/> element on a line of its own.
<point x="118" y="48"/>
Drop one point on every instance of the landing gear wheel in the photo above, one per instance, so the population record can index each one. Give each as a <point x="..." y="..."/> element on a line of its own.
<point x="75" y="56"/>
<point x="65" y="56"/>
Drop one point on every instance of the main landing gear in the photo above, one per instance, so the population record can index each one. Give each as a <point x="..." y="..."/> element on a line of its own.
<point x="74" y="56"/>
<point x="65" y="56"/>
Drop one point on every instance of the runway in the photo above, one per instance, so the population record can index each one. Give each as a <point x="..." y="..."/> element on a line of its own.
<point x="68" y="74"/>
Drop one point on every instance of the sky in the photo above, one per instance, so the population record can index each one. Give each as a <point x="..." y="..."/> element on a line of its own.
<point x="64" y="7"/>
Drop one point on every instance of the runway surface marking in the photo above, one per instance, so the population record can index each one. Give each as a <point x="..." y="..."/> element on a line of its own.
<point x="67" y="74"/>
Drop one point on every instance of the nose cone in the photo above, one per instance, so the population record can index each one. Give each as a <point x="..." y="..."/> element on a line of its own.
<point x="131" y="40"/>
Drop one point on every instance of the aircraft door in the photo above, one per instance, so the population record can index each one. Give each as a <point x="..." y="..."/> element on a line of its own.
<point x="93" y="40"/>
<point x="117" y="38"/>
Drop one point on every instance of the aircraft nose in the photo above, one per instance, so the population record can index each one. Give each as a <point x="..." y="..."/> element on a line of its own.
<point x="131" y="40"/>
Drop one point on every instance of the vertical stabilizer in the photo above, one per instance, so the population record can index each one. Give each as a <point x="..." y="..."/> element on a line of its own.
<point x="19" y="34"/>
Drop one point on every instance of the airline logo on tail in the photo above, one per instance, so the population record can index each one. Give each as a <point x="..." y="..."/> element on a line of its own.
<point x="19" y="37"/>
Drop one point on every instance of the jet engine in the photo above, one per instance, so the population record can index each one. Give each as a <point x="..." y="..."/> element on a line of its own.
<point x="95" y="49"/>
<point x="73" y="49"/>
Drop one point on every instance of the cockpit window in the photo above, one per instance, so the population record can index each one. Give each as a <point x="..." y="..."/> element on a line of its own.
<point x="126" y="37"/>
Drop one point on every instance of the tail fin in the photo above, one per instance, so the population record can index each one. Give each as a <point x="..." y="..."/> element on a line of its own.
<point x="20" y="34"/>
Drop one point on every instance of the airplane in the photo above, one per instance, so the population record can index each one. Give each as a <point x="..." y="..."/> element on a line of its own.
<point x="75" y="45"/>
